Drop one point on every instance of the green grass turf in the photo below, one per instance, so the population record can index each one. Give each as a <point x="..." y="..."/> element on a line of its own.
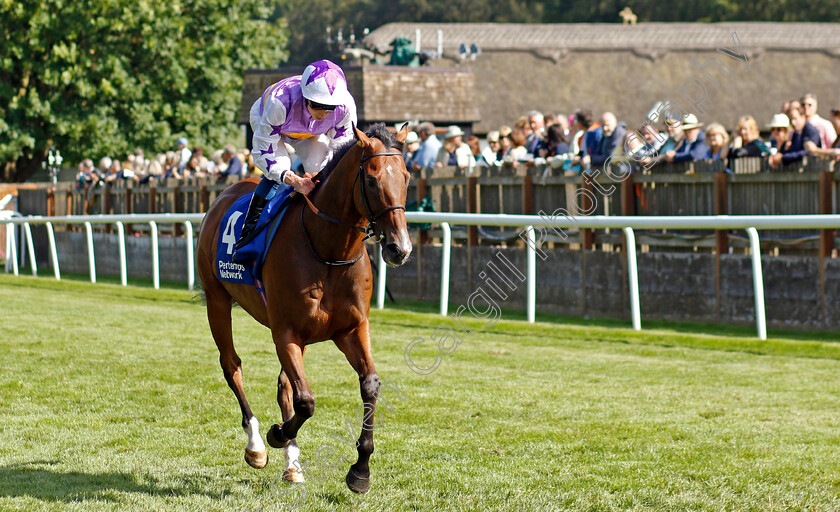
<point x="112" y="399"/>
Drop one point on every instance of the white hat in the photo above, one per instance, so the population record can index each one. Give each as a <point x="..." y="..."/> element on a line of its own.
<point x="779" y="121"/>
<point x="690" y="121"/>
<point x="324" y="82"/>
<point x="453" y="131"/>
<point x="411" y="138"/>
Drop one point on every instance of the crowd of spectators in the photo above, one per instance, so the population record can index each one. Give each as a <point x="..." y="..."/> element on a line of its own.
<point x="579" y="141"/>
<point x="574" y="143"/>
<point x="180" y="163"/>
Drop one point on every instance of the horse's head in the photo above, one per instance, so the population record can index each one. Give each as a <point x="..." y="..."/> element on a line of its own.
<point x="384" y="185"/>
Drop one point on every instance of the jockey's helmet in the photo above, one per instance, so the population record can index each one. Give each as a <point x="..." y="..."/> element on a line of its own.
<point x="323" y="82"/>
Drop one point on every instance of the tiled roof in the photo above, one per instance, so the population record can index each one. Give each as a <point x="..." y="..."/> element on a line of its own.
<point x="754" y="36"/>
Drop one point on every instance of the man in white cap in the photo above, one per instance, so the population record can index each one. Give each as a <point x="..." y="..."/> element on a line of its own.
<point x="454" y="151"/>
<point x="801" y="140"/>
<point x="693" y="146"/>
<point x="412" y="144"/>
<point x="314" y="113"/>
<point x="184" y="152"/>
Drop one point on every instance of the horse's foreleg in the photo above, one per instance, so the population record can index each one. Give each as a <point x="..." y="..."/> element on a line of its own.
<point x="291" y="452"/>
<point x="218" y="313"/>
<point x="302" y="399"/>
<point x="356" y="348"/>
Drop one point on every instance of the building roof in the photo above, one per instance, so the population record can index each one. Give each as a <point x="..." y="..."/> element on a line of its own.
<point x="626" y="69"/>
<point x="643" y="37"/>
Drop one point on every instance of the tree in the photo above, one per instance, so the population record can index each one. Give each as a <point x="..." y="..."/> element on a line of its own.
<point x="307" y="43"/>
<point x="97" y="77"/>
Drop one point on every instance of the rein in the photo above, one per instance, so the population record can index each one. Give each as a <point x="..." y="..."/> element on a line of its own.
<point x="369" y="230"/>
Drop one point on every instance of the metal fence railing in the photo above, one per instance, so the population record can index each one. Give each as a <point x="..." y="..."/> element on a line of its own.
<point x="527" y="225"/>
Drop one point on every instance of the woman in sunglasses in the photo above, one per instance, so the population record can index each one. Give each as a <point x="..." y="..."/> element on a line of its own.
<point x="314" y="113"/>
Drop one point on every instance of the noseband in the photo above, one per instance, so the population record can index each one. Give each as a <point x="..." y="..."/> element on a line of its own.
<point x="369" y="230"/>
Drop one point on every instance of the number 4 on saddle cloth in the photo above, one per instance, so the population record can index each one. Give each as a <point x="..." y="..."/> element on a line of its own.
<point x="252" y="256"/>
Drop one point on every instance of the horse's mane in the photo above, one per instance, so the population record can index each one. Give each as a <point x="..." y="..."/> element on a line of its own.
<point x="377" y="130"/>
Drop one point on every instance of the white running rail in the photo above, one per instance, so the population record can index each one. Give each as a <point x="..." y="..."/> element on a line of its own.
<point x="749" y="223"/>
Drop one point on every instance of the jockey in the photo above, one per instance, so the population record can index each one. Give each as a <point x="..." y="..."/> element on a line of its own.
<point x="313" y="112"/>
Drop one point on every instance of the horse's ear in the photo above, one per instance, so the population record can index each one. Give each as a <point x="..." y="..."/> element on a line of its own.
<point x="364" y="140"/>
<point x="403" y="133"/>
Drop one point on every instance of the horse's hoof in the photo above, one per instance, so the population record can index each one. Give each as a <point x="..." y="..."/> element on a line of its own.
<point x="294" y="476"/>
<point x="274" y="437"/>
<point x="357" y="483"/>
<point x="256" y="459"/>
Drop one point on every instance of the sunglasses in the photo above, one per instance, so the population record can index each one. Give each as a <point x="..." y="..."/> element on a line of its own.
<point x="320" y="106"/>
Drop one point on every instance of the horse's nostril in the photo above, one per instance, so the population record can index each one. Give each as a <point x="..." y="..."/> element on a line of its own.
<point x="395" y="249"/>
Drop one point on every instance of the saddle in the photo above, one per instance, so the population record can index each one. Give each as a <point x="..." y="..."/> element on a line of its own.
<point x="252" y="256"/>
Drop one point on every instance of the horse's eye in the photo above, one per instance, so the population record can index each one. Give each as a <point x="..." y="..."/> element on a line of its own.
<point x="371" y="181"/>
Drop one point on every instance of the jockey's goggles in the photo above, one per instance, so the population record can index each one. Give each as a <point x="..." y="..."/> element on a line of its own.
<point x="320" y="106"/>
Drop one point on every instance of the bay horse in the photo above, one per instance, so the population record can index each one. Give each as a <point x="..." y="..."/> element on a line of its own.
<point x="318" y="285"/>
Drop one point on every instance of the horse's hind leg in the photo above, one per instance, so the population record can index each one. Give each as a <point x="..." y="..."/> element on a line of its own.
<point x="291" y="452"/>
<point x="218" y="313"/>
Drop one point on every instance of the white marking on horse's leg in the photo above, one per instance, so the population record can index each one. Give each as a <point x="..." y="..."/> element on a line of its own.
<point x="255" y="442"/>
<point x="293" y="472"/>
<point x="292" y="452"/>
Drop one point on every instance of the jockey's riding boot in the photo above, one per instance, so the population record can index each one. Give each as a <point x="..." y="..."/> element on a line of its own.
<point x="252" y="218"/>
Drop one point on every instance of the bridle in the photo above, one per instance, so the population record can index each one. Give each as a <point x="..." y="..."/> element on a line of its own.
<point x="369" y="230"/>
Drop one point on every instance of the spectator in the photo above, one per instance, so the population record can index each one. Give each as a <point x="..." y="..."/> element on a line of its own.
<point x="602" y="142"/>
<point x="171" y="166"/>
<point x="429" y="147"/>
<point x="194" y="168"/>
<point x="835" y="120"/>
<point x="536" y="139"/>
<point x="412" y="144"/>
<point x="802" y="139"/>
<point x="718" y="141"/>
<point x="522" y="124"/>
<point x="475" y="147"/>
<point x="582" y="124"/>
<point x="550" y="119"/>
<point x="834" y="150"/>
<point x="454" y="151"/>
<point x="104" y="165"/>
<point x="492" y="152"/>
<point x="88" y="175"/>
<point x="184" y="154"/>
<point x="505" y="144"/>
<point x="518" y="152"/>
<point x="563" y="122"/>
<point x="556" y="144"/>
<point x="823" y="126"/>
<point x="636" y="149"/>
<point x="746" y="142"/>
<point x="779" y="131"/>
<point x="116" y="172"/>
<point x="693" y="146"/>
<point x="676" y="134"/>
<point x="654" y="142"/>
<point x="140" y="165"/>
<point x="558" y="153"/>
<point x="234" y="164"/>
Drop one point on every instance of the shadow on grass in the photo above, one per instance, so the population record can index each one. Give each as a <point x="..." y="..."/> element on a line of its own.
<point x="34" y="480"/>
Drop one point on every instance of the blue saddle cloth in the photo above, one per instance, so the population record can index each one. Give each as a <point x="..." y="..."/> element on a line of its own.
<point x="252" y="256"/>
